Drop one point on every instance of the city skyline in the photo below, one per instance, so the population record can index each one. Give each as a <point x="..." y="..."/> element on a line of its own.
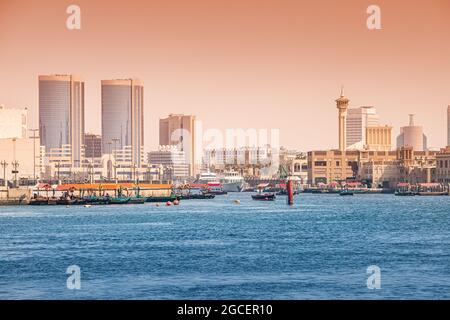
<point x="271" y="74"/>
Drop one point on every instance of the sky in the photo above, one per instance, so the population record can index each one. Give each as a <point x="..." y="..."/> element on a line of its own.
<point x="263" y="64"/>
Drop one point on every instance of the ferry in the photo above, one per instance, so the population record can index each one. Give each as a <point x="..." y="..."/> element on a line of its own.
<point x="232" y="181"/>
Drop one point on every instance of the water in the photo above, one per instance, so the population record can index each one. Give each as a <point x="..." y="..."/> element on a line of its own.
<point x="215" y="249"/>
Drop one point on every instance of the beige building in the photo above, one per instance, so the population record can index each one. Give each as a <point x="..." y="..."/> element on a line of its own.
<point x="13" y="123"/>
<point x="337" y="166"/>
<point x="385" y="174"/>
<point x="179" y="130"/>
<point x="443" y="166"/>
<point x="378" y="138"/>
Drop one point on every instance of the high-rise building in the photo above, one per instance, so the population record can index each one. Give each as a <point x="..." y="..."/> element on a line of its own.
<point x="378" y="138"/>
<point x="93" y="146"/>
<point x="179" y="129"/>
<point x="448" y="125"/>
<point x="412" y="136"/>
<point x="358" y="119"/>
<point x="13" y="123"/>
<point x="61" y="116"/>
<point x="123" y="120"/>
<point x="342" y="105"/>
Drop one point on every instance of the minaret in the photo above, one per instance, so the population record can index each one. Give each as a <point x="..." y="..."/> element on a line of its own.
<point x="342" y="105"/>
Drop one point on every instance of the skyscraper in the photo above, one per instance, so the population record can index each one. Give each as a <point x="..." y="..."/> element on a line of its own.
<point x="412" y="136"/>
<point x="357" y="121"/>
<point x="123" y="119"/>
<point x="179" y="129"/>
<point x="61" y="115"/>
<point x="342" y="105"/>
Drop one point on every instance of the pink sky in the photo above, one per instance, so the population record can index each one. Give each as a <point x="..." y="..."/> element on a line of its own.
<point x="240" y="63"/>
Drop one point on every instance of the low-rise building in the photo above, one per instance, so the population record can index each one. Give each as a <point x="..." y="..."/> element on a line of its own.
<point x="443" y="166"/>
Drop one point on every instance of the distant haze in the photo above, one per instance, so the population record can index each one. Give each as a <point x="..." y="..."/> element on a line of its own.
<point x="240" y="63"/>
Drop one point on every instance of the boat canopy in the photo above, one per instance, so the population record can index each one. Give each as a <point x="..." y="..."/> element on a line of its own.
<point x="43" y="186"/>
<point x="112" y="186"/>
<point x="403" y="184"/>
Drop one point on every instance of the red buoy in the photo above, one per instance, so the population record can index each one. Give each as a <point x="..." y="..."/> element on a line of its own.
<point x="176" y="202"/>
<point x="168" y="203"/>
<point x="290" y="192"/>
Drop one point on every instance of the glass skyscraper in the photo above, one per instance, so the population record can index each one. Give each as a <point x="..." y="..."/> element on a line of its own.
<point x="123" y="119"/>
<point x="61" y="115"/>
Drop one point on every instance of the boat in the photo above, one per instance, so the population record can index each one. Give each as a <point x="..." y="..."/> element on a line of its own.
<point x="66" y="201"/>
<point x="197" y="196"/>
<point x="38" y="201"/>
<point x="94" y="200"/>
<point x="346" y="193"/>
<point x="232" y="181"/>
<point x="432" y="193"/>
<point x="405" y="193"/>
<point x="170" y="198"/>
<point x="119" y="200"/>
<point x="137" y="200"/>
<point x="262" y="194"/>
<point x="215" y="188"/>
<point x="208" y="177"/>
<point x="268" y="196"/>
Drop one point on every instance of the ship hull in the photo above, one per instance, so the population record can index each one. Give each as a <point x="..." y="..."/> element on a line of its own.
<point x="232" y="186"/>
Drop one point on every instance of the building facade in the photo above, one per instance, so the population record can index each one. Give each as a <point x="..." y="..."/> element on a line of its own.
<point x="61" y="116"/>
<point x="443" y="166"/>
<point x="358" y="119"/>
<point x="13" y="123"/>
<point x="378" y="138"/>
<point x="336" y="166"/>
<point x="172" y="162"/>
<point x="93" y="146"/>
<point x="179" y="130"/>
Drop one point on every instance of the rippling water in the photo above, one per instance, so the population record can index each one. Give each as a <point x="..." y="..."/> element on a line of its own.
<point x="215" y="249"/>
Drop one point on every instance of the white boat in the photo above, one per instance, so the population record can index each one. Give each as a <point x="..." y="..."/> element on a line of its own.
<point x="232" y="181"/>
<point x="208" y="177"/>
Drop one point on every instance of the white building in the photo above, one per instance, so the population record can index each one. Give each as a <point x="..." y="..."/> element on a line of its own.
<point x="171" y="160"/>
<point x="16" y="155"/>
<point x="358" y="119"/>
<point x="13" y="123"/>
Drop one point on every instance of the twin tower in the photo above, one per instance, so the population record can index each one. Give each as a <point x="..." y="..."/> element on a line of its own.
<point x="62" y="116"/>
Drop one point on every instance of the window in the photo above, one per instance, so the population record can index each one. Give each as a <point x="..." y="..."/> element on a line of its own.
<point x="320" y="163"/>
